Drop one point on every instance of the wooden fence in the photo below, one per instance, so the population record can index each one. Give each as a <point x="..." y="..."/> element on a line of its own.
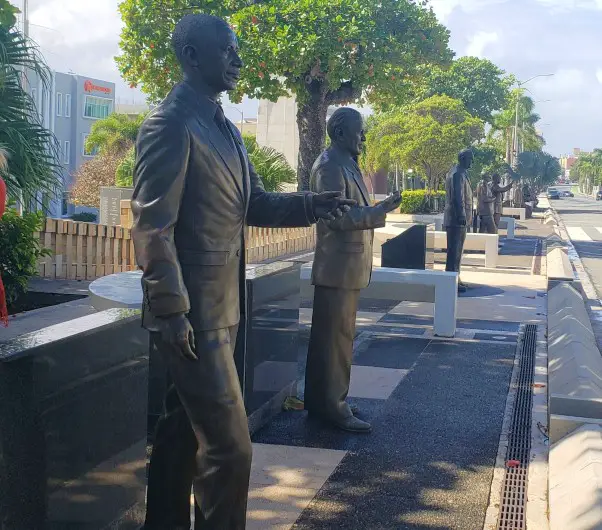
<point x="85" y="251"/>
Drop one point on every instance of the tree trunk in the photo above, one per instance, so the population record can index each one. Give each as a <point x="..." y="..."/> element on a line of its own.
<point x="311" y="121"/>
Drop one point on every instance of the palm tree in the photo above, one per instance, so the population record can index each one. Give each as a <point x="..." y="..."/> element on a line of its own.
<point x="32" y="149"/>
<point x="270" y="164"/>
<point x="114" y="134"/>
<point x="502" y="129"/>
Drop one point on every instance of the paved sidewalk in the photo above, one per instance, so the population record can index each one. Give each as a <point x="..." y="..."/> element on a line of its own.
<point x="436" y="406"/>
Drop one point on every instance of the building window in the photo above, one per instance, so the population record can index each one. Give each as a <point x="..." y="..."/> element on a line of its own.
<point x="89" y="152"/>
<point x="59" y="104"/>
<point x="97" y="108"/>
<point x="67" y="152"/>
<point x="67" y="105"/>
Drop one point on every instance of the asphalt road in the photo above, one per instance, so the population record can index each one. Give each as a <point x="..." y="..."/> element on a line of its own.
<point x="583" y="219"/>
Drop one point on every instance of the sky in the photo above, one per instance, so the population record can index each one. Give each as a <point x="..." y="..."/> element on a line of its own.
<point x="524" y="37"/>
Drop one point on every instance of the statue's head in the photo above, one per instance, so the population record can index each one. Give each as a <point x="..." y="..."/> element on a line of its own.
<point x="496" y="178"/>
<point x="207" y="51"/>
<point x="465" y="158"/>
<point x="485" y="176"/>
<point x="346" y="130"/>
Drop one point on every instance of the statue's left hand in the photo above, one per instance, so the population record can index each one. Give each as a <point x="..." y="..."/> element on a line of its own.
<point x="329" y="205"/>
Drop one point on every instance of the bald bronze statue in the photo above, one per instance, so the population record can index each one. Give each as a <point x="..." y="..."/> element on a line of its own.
<point x="195" y="189"/>
<point x="342" y="266"/>
<point x="458" y="211"/>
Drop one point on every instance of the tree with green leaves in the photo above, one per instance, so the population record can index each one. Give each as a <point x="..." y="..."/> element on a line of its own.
<point x="479" y="84"/>
<point x="426" y="137"/>
<point x="538" y="169"/>
<point x="324" y="52"/>
<point x="588" y="170"/>
<point x="32" y="150"/>
<point x="114" y="134"/>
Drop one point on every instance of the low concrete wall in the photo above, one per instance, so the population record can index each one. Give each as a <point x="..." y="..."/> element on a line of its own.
<point x="574" y="361"/>
<point x="559" y="265"/>
<point x="575" y="493"/>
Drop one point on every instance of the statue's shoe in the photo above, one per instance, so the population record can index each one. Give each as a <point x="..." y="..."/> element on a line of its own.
<point x="353" y="424"/>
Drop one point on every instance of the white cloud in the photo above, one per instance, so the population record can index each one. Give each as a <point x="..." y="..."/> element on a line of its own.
<point x="479" y="41"/>
<point x="599" y="75"/>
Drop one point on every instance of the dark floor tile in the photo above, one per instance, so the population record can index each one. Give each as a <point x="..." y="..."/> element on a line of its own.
<point x="389" y="352"/>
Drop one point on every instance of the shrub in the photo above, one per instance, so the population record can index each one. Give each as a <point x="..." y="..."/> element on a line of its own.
<point x="20" y="251"/>
<point x="124" y="174"/>
<point x="91" y="175"/>
<point x="422" y="202"/>
<point x="84" y="217"/>
<point x="271" y="165"/>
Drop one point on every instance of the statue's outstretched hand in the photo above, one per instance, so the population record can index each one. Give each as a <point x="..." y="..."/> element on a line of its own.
<point x="330" y="204"/>
<point x="392" y="202"/>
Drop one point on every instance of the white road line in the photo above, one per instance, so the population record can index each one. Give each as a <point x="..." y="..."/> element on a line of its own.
<point x="599" y="229"/>
<point x="576" y="233"/>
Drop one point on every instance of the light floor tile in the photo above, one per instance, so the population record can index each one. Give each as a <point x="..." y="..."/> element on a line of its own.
<point x="373" y="382"/>
<point x="284" y="480"/>
<point x="362" y="318"/>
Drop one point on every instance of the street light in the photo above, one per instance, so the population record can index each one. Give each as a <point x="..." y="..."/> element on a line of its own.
<point x="515" y="139"/>
<point x="242" y="116"/>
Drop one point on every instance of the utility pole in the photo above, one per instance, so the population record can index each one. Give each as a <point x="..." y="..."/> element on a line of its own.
<point x="396" y="178"/>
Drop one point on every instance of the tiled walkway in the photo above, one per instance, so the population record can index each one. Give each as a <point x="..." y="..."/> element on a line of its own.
<point x="436" y="406"/>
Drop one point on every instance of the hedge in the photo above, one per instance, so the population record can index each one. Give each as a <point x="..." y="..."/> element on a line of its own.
<point x="421" y="201"/>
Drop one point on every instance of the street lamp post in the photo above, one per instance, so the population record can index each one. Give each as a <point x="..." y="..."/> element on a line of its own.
<point x="515" y="144"/>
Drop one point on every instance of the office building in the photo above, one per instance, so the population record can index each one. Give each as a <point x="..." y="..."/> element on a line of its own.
<point x="69" y="106"/>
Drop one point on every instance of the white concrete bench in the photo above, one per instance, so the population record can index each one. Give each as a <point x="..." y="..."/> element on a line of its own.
<point x="437" y="287"/>
<point x="487" y="242"/>
<point x="521" y="213"/>
<point x="509" y="223"/>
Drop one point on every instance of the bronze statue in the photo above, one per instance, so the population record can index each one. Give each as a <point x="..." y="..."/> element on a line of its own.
<point x="485" y="200"/>
<point x="342" y="266"/>
<point x="195" y="190"/>
<point x="498" y="192"/>
<point x="458" y="211"/>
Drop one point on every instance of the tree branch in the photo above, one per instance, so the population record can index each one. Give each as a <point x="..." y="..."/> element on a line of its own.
<point x="346" y="92"/>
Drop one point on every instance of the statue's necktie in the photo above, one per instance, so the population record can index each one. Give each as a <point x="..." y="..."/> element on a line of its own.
<point x="220" y="119"/>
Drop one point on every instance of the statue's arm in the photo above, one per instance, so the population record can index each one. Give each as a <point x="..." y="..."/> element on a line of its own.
<point x="458" y="200"/>
<point x="276" y="209"/>
<point x="329" y="177"/>
<point x="162" y="153"/>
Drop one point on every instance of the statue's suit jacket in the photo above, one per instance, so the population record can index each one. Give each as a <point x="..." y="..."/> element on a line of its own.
<point x="343" y="257"/>
<point x="193" y="194"/>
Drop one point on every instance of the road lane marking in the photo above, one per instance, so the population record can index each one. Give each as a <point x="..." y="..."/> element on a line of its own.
<point x="576" y="233"/>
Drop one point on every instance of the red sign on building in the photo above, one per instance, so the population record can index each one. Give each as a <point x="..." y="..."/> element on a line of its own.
<point x="91" y="87"/>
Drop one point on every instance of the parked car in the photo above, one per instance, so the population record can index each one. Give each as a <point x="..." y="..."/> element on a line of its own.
<point x="553" y="194"/>
<point x="599" y="195"/>
<point x="568" y="194"/>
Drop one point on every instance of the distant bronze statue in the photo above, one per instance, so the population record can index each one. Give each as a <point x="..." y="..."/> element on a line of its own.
<point x="195" y="189"/>
<point x="485" y="205"/>
<point x="498" y="192"/>
<point x="458" y="211"/>
<point x="342" y="266"/>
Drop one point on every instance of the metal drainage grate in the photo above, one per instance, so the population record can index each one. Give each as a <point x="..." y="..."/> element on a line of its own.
<point x="514" y="491"/>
